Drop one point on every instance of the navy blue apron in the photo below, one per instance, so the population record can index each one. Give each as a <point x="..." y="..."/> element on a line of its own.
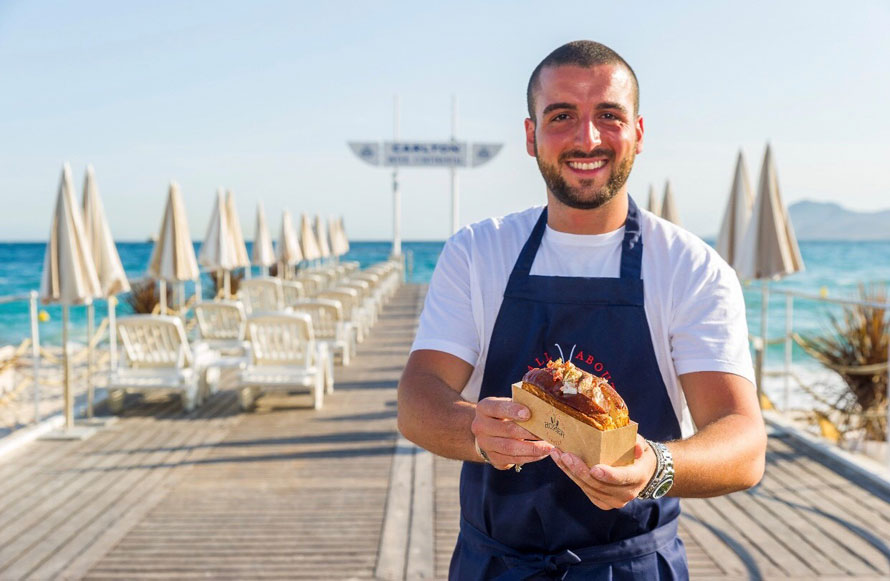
<point x="538" y="524"/>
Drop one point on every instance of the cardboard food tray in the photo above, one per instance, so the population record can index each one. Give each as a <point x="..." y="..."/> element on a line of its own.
<point x="612" y="447"/>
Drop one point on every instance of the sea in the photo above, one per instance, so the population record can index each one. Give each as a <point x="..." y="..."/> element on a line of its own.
<point x="21" y="266"/>
<point x="833" y="269"/>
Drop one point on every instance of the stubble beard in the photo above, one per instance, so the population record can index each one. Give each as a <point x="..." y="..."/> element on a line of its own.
<point x="581" y="198"/>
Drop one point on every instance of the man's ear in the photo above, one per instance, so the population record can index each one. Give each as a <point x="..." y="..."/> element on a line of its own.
<point x="530" y="137"/>
<point x="639" y="130"/>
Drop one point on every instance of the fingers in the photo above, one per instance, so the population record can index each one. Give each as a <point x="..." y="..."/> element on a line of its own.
<point x="503" y="451"/>
<point x="502" y="408"/>
<point x="497" y="414"/>
<point x="607" y="487"/>
<point x="505" y="442"/>
<point x="484" y="426"/>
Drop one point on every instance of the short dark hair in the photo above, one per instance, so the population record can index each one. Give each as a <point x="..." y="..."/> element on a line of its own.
<point x="582" y="53"/>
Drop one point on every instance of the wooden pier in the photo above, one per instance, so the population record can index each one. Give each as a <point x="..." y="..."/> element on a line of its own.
<point x="288" y="492"/>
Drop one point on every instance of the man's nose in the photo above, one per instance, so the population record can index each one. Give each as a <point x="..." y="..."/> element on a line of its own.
<point x="588" y="135"/>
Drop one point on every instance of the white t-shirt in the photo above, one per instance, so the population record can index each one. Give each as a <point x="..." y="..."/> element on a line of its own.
<point x="693" y="300"/>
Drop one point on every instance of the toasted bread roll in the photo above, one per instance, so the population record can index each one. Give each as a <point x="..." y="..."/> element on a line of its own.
<point x="582" y="395"/>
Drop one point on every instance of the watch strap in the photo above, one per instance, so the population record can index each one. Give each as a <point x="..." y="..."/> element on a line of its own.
<point x="663" y="477"/>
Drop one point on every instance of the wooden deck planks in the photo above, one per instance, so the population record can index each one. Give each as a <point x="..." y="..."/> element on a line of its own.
<point x="290" y="492"/>
<point x="128" y="471"/>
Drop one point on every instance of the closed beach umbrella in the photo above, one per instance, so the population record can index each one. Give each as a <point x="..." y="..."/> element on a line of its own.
<point x="769" y="248"/>
<point x="263" y="254"/>
<point x="173" y="256"/>
<point x="344" y="239"/>
<point x="308" y="242"/>
<point x="69" y="275"/>
<point x="654" y="202"/>
<point x="737" y="214"/>
<point x="109" y="270"/>
<point x="321" y="233"/>
<point x="218" y="249"/>
<point x="241" y="258"/>
<point x="334" y="235"/>
<point x="289" y="252"/>
<point x="669" y="206"/>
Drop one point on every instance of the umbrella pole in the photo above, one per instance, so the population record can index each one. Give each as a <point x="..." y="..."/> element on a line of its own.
<point x="761" y="356"/>
<point x="247" y="272"/>
<point x="227" y="284"/>
<point x="66" y="372"/>
<point x="163" y="297"/>
<point x="887" y="436"/>
<point x="35" y="354"/>
<point x="789" y="317"/>
<point x="112" y="332"/>
<point x="199" y="290"/>
<point x="91" y="325"/>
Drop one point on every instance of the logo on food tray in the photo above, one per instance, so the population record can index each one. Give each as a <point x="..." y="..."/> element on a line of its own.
<point x="583" y="359"/>
<point x="553" y="425"/>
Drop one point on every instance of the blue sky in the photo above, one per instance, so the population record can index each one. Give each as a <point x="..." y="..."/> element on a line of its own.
<point x="261" y="97"/>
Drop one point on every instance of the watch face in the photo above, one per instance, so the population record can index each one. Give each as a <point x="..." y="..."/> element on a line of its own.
<point x="663" y="487"/>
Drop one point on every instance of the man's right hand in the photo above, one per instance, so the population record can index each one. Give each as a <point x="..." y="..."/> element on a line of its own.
<point x="504" y="442"/>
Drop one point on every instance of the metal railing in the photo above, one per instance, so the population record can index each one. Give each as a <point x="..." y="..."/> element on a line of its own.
<point x="32" y="344"/>
<point x="761" y="343"/>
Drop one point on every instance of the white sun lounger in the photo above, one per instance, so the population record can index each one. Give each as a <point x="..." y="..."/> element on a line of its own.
<point x="158" y="359"/>
<point x="330" y="327"/>
<point x="261" y="295"/>
<point x="285" y="357"/>
<point x="353" y="310"/>
<point x="222" y="325"/>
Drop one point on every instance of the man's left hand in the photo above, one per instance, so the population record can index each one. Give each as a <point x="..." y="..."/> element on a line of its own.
<point x="610" y="487"/>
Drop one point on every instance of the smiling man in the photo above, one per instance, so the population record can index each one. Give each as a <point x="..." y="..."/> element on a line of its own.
<point x="639" y="301"/>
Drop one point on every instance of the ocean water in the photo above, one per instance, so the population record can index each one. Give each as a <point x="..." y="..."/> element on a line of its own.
<point x="837" y="267"/>
<point x="21" y="266"/>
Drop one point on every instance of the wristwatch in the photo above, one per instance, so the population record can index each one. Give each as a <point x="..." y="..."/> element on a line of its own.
<point x="663" y="478"/>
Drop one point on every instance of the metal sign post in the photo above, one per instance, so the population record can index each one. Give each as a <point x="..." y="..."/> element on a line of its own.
<point x="451" y="154"/>
<point x="396" y="195"/>
<point x="455" y="197"/>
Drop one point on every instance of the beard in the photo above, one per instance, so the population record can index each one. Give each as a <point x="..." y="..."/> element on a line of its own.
<point x="584" y="197"/>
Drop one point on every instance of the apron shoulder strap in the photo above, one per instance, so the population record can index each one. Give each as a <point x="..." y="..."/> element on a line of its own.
<point x="632" y="245"/>
<point x="523" y="265"/>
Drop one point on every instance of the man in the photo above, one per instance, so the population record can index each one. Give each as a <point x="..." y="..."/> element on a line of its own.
<point x="505" y="291"/>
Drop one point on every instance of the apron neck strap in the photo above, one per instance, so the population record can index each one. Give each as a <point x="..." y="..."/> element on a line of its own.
<point x="631" y="246"/>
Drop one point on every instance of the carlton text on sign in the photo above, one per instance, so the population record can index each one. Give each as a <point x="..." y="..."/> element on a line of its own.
<point x="424" y="154"/>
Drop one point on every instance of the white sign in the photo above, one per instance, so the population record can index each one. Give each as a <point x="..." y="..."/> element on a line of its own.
<point x="483" y="152"/>
<point x="424" y="153"/>
<point x="367" y="151"/>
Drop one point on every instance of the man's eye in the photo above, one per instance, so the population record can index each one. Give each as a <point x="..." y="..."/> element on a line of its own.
<point x="561" y="117"/>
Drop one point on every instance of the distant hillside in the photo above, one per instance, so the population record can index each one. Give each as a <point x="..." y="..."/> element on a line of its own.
<point x="830" y="221"/>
